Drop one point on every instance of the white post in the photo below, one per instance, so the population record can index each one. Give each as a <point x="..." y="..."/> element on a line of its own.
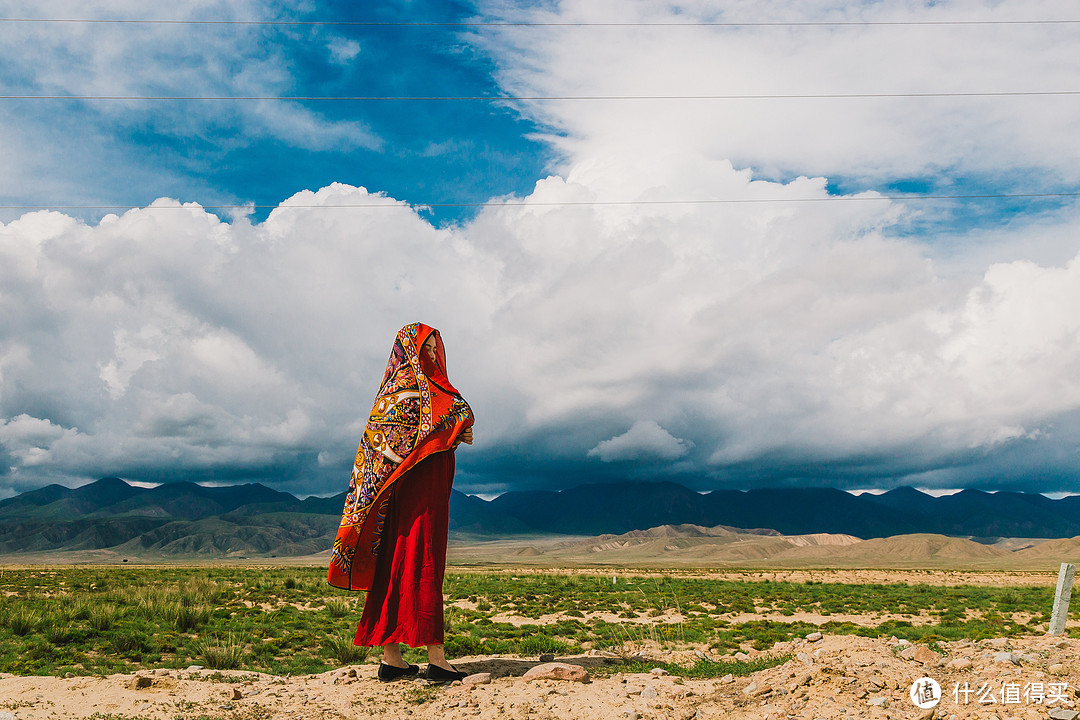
<point x="1061" y="599"/>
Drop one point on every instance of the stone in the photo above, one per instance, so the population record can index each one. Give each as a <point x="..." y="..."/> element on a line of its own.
<point x="755" y="690"/>
<point x="237" y="694"/>
<point x="659" y="671"/>
<point x="814" y="637"/>
<point x="547" y="657"/>
<point x="958" y="664"/>
<point x="1006" y="657"/>
<point x="729" y="678"/>
<point x="920" y="654"/>
<point x="194" y="668"/>
<point x="649" y="692"/>
<point x="483" y="678"/>
<point x="557" y="671"/>
<point x="880" y="701"/>
<point x="1060" y="713"/>
<point x="1056" y="668"/>
<point x="4" y="715"/>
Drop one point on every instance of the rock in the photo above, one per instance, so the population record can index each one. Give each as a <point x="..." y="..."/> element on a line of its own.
<point x="236" y="694"/>
<point x="1056" y="669"/>
<point x="741" y="656"/>
<point x="557" y="671"/>
<point x="194" y="668"/>
<point x="880" y="701"/>
<point x="649" y="692"/>
<point x="755" y="690"/>
<point x="140" y="682"/>
<point x="804" y="659"/>
<point x="659" y="671"/>
<point x="1006" y="657"/>
<point x="352" y="672"/>
<point x="1061" y="713"/>
<point x="958" y="664"/>
<point x="903" y="643"/>
<point x="729" y="678"/>
<point x="547" y="657"/>
<point x="920" y="654"/>
<point x="7" y="716"/>
<point x="483" y="678"/>
<point x="814" y="637"/>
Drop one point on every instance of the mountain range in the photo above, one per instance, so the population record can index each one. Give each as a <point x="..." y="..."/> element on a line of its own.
<point x="186" y="519"/>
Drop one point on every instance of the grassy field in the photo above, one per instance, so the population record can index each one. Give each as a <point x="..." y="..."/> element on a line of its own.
<point x="87" y="620"/>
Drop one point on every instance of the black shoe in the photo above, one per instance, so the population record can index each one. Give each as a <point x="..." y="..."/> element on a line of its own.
<point x="392" y="672"/>
<point x="434" y="672"/>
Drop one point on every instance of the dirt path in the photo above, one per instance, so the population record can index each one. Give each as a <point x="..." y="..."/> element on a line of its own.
<point x="837" y="677"/>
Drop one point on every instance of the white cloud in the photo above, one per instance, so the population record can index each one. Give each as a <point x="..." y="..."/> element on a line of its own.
<point x="645" y="440"/>
<point x="880" y="138"/>
<point x="82" y="148"/>
<point x="342" y="50"/>
<point x="810" y="334"/>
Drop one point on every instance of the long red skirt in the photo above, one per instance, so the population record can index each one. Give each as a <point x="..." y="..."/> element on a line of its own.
<point x="405" y="603"/>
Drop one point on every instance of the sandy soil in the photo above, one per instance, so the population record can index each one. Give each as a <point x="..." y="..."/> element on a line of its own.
<point x="837" y="677"/>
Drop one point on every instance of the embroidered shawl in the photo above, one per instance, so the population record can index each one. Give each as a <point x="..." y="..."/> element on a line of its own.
<point x="417" y="412"/>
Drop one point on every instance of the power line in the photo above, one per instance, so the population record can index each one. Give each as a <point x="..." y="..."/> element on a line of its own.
<point x="571" y="203"/>
<point x="485" y="23"/>
<point x="538" y="98"/>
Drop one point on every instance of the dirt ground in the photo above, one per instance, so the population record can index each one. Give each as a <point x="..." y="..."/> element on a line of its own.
<point x="835" y="677"/>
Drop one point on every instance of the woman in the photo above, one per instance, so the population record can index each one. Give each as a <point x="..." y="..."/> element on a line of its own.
<point x="392" y="539"/>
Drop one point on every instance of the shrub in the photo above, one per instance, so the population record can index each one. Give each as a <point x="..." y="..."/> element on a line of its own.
<point x="540" y="644"/>
<point x="343" y="650"/>
<point x="102" y="617"/>
<point x="221" y="653"/>
<point x="187" y="618"/>
<point x="337" y="607"/>
<point x="23" y="621"/>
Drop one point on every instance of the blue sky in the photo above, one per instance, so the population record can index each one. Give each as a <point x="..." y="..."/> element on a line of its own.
<point x="422" y="152"/>
<point x="801" y="331"/>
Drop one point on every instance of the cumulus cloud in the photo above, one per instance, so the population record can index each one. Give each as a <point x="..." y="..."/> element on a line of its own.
<point x="741" y="343"/>
<point x="645" y="440"/>
<point x="873" y="139"/>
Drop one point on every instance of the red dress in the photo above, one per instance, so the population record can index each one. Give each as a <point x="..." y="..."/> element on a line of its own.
<point x="405" y="602"/>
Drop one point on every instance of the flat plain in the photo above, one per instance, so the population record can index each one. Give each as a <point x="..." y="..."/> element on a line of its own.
<point x="205" y="640"/>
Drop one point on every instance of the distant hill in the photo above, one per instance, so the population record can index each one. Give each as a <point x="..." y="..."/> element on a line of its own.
<point x="253" y="520"/>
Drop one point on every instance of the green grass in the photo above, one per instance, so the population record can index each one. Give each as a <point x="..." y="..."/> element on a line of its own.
<point x="102" y="620"/>
<point x="702" y="668"/>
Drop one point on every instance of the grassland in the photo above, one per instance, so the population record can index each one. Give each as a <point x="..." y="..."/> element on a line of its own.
<point x="87" y="620"/>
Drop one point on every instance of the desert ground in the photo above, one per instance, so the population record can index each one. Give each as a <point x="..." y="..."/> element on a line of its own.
<point x="831" y="677"/>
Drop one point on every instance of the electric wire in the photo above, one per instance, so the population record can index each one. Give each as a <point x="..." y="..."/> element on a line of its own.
<point x="528" y="23"/>
<point x="556" y="203"/>
<point x="543" y="98"/>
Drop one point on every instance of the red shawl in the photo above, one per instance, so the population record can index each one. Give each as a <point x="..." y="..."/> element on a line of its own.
<point x="416" y="413"/>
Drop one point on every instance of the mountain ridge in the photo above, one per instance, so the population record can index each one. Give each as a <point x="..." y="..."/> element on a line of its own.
<point x="185" y="518"/>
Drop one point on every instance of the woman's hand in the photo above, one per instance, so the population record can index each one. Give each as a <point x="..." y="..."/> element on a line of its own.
<point x="464" y="437"/>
